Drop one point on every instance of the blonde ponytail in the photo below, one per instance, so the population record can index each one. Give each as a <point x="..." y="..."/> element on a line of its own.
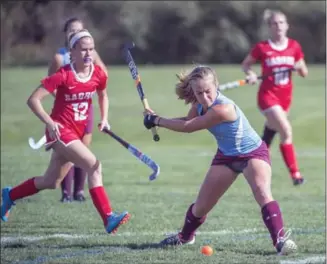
<point x="184" y="89"/>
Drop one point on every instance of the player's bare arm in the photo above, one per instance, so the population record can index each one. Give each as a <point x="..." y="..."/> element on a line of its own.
<point x="104" y="107"/>
<point x="301" y="68"/>
<point x="214" y="116"/>
<point x="247" y="64"/>
<point x="247" y="69"/>
<point x="34" y="102"/>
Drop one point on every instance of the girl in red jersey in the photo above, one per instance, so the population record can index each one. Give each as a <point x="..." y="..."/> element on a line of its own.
<point x="61" y="58"/>
<point x="278" y="53"/>
<point x="75" y="85"/>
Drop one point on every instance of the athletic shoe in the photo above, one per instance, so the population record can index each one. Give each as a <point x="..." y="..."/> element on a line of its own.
<point x="176" y="240"/>
<point x="297" y="178"/>
<point x="66" y="198"/>
<point x="79" y="197"/>
<point x="284" y="245"/>
<point x="298" y="181"/>
<point x="6" y="205"/>
<point x="115" y="220"/>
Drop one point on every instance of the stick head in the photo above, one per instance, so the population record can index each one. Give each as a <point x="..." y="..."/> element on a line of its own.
<point x="156" y="172"/>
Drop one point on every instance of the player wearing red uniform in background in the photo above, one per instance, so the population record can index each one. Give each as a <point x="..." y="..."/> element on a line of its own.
<point x="276" y="54"/>
<point x="75" y="84"/>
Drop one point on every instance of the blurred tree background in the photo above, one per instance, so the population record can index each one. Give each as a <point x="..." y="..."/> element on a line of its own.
<point x="165" y="32"/>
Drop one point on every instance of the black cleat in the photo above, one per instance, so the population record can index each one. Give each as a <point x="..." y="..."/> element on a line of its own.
<point x="79" y="197"/>
<point x="66" y="198"/>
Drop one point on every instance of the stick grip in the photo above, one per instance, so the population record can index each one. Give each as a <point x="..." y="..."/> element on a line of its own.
<point x="154" y="129"/>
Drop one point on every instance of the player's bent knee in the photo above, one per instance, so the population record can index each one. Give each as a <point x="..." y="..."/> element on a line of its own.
<point x="96" y="169"/>
<point x="53" y="184"/>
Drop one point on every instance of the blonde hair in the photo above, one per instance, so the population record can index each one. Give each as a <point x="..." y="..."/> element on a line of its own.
<point x="184" y="89"/>
<point x="268" y="14"/>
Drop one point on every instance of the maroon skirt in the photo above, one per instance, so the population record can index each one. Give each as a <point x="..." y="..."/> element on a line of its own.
<point x="240" y="162"/>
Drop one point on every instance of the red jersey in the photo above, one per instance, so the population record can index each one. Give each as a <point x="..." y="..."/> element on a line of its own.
<point x="275" y="58"/>
<point x="74" y="95"/>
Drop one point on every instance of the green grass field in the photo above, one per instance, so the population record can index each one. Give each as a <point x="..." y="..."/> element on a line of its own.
<point x="42" y="230"/>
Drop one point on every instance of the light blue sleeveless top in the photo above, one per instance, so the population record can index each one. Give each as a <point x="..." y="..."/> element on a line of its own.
<point x="233" y="138"/>
<point x="64" y="52"/>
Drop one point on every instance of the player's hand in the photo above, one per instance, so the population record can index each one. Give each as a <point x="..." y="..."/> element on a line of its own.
<point x="252" y="78"/>
<point x="54" y="130"/>
<point x="150" y="120"/>
<point x="104" y="124"/>
<point x="148" y="111"/>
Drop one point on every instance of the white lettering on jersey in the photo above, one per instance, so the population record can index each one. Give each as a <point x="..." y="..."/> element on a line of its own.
<point x="79" y="96"/>
<point x="280" y="60"/>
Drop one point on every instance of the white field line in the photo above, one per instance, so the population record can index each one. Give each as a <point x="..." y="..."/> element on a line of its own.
<point x="252" y="233"/>
<point x="14" y="239"/>
<point x="309" y="260"/>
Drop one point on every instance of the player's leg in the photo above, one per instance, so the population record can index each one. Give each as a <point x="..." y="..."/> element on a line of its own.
<point x="80" y="174"/>
<point x="217" y="181"/>
<point x="266" y="101"/>
<point x="268" y="135"/>
<point x="82" y="157"/>
<point x="258" y="175"/>
<point x="56" y="171"/>
<point x="277" y="119"/>
<point x="66" y="187"/>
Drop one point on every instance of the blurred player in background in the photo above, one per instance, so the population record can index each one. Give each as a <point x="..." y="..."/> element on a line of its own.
<point x="75" y="84"/>
<point x="275" y="94"/>
<point x="61" y="58"/>
<point x="241" y="150"/>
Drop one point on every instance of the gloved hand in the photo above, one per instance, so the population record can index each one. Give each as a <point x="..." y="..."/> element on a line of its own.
<point x="149" y="120"/>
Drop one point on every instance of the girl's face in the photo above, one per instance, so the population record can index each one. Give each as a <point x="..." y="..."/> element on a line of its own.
<point x="83" y="51"/>
<point x="205" y="90"/>
<point x="73" y="27"/>
<point x="278" y="26"/>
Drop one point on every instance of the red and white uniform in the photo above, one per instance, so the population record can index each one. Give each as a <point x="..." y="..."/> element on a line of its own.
<point x="73" y="100"/>
<point x="276" y="89"/>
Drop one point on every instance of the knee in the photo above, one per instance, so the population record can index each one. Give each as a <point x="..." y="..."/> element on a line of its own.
<point x="262" y="194"/>
<point x="96" y="170"/>
<point x="286" y="134"/>
<point x="53" y="184"/>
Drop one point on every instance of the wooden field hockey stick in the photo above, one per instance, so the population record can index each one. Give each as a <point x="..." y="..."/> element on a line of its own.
<point x="136" y="77"/>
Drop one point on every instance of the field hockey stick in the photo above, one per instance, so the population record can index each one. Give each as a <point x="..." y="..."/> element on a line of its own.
<point x="234" y="84"/>
<point x="36" y="145"/>
<point x="136" y="77"/>
<point x="137" y="153"/>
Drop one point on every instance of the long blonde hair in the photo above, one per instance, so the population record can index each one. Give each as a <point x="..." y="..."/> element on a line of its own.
<point x="268" y="14"/>
<point x="184" y="89"/>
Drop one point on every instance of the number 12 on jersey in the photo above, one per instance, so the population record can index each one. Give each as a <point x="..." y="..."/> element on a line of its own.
<point x="80" y="110"/>
<point x="281" y="76"/>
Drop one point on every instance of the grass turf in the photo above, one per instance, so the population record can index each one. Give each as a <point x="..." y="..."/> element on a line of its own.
<point x="42" y="230"/>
